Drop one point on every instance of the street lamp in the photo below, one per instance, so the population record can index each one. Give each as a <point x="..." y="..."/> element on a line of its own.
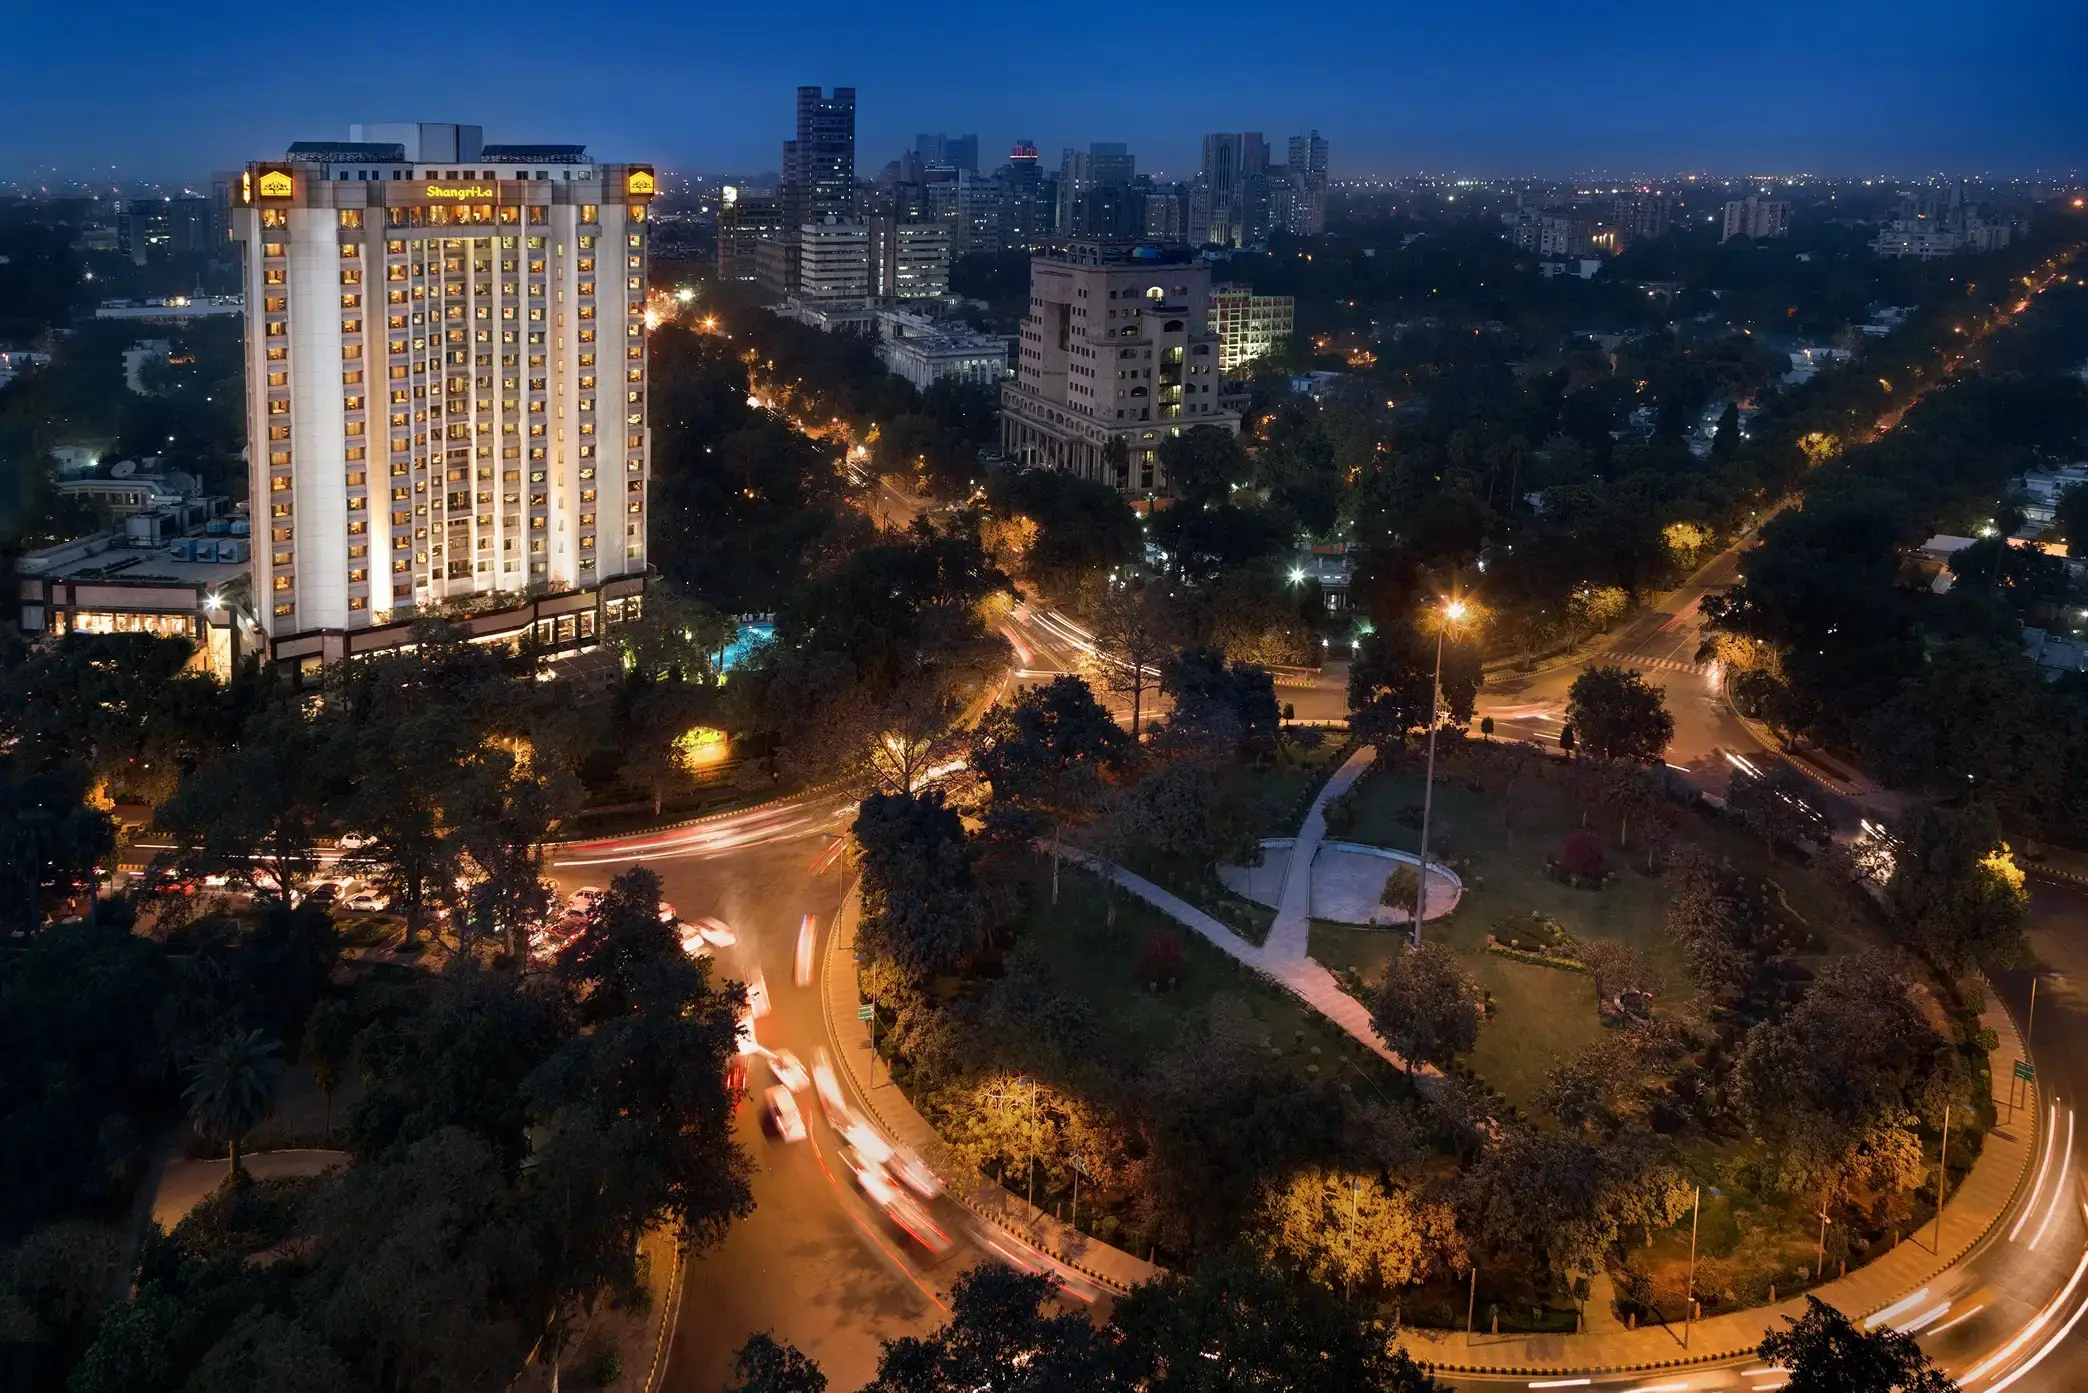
<point x="1453" y="612"/>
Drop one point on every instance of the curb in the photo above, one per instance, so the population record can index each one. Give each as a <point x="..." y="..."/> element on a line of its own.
<point x="657" y="1375"/>
<point x="944" y="1171"/>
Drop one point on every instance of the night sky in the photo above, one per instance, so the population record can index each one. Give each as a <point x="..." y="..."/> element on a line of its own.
<point x="170" y="91"/>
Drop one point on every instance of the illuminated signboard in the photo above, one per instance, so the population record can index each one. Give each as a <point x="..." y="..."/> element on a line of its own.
<point x="246" y="187"/>
<point x="641" y="181"/>
<point x="276" y="183"/>
<point x="460" y="191"/>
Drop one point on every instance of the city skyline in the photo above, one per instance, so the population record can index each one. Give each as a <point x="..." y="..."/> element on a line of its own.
<point x="1523" y="92"/>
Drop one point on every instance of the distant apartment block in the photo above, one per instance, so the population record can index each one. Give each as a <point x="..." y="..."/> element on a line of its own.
<point x="1248" y="326"/>
<point x="1755" y="218"/>
<point x="747" y="217"/>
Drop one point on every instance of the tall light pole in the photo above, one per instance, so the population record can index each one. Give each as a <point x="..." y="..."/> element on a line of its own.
<point x="1453" y="610"/>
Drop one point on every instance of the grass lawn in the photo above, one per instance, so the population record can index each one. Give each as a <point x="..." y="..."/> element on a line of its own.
<point x="1278" y="794"/>
<point x="1097" y="961"/>
<point x="1498" y="844"/>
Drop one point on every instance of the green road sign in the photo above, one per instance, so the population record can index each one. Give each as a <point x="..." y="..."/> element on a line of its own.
<point x="2025" y="1070"/>
<point x="865" y="1011"/>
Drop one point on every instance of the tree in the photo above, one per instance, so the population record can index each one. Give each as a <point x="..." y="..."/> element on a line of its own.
<point x="1427" y="1008"/>
<point x="1825" y="1353"/>
<point x="922" y="911"/>
<point x="921" y="735"/>
<point x="998" y="1336"/>
<point x="1237" y="1323"/>
<point x="676" y="637"/>
<point x="1218" y="705"/>
<point x="1820" y="1081"/>
<point x="329" y="1044"/>
<point x="767" y="1365"/>
<point x="1350" y="1231"/>
<point x="2070" y="517"/>
<point x="1402" y="889"/>
<point x="1181" y="810"/>
<point x="657" y="759"/>
<point x="1392" y="683"/>
<point x="1956" y="894"/>
<point x="252" y="812"/>
<point x="1616" y="715"/>
<point x="1136" y="633"/>
<point x="1562" y="1200"/>
<point x="232" y="1090"/>
<point x="1047" y="754"/>
<point x="1203" y="465"/>
<point x="1779" y="806"/>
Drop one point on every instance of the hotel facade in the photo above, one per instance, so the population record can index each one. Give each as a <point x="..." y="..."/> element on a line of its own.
<point x="446" y="389"/>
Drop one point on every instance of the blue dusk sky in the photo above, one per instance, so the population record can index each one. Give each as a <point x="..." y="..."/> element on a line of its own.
<point x="123" y="89"/>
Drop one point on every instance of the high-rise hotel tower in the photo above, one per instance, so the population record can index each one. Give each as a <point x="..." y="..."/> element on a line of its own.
<point x="445" y="389"/>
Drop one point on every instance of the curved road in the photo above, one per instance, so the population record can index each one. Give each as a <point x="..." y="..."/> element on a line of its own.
<point x="820" y="1265"/>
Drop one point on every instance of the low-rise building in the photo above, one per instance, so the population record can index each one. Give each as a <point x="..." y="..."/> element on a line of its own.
<point x="925" y="352"/>
<point x="102" y="584"/>
<point x="1248" y="325"/>
<point x="173" y="308"/>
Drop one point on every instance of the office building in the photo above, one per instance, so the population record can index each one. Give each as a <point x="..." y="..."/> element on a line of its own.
<point x="819" y="164"/>
<point x="1233" y="211"/>
<point x="747" y="217"/>
<point x="1756" y="217"/>
<point x="1103" y="165"/>
<point x="446" y="388"/>
<point x="1116" y="348"/>
<point x="947" y="152"/>
<point x="909" y="259"/>
<point x="1027" y="208"/>
<point x="834" y="260"/>
<point x="1248" y="325"/>
<point x="1306" y="174"/>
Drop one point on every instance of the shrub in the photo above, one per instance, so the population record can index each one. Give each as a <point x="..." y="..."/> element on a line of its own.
<point x="1160" y="958"/>
<point x="1582" y="854"/>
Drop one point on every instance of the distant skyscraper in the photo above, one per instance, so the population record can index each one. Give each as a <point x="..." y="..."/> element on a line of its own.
<point x="1105" y="164"/>
<point x="1306" y="171"/>
<point x="747" y="217"/>
<point x="1235" y="178"/>
<point x="1026" y="207"/>
<point x="819" y="165"/>
<point x="952" y="152"/>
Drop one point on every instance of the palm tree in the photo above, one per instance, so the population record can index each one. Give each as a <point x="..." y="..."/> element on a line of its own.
<point x="232" y="1089"/>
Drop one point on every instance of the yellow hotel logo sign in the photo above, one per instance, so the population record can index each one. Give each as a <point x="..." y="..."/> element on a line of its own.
<point x="461" y="191"/>
<point x="641" y="181"/>
<point x="275" y="183"/>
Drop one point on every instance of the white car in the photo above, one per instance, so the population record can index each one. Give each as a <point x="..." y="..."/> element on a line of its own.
<point x="913" y="1173"/>
<point x="368" y="902"/>
<point x="870" y="1175"/>
<point x="692" y="943"/>
<point x="583" y="900"/>
<point x="783" y="1114"/>
<point x="867" y="1143"/>
<point x="757" y="995"/>
<point x="352" y="841"/>
<point x="788" y="1071"/>
<point x="715" y="932"/>
<point x="667" y="913"/>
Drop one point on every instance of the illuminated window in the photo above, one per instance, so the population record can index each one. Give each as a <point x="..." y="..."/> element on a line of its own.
<point x="351" y="217"/>
<point x="590" y="213"/>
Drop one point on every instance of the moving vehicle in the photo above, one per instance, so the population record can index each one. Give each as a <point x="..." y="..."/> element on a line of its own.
<point x="912" y="1216"/>
<point x="870" y="1175"/>
<point x="715" y="932"/>
<point x="667" y="913"/>
<point x="837" y="1113"/>
<point x="912" y="1172"/>
<point x="788" y="1071"/>
<point x="783" y="1114"/>
<point x="692" y="943"/>
<point x="757" y="995"/>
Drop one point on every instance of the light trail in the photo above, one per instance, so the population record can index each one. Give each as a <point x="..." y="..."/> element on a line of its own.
<point x="2058" y="1186"/>
<point x="2043" y="1167"/>
<point x="1958" y="1319"/>
<point x="1897" y="1308"/>
<point x="2027" y="1333"/>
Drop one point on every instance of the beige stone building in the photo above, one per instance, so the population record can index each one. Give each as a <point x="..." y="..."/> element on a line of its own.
<point x="1116" y="346"/>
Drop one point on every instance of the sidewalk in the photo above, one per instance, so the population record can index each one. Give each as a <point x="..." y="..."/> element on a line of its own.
<point x="890" y="1109"/>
